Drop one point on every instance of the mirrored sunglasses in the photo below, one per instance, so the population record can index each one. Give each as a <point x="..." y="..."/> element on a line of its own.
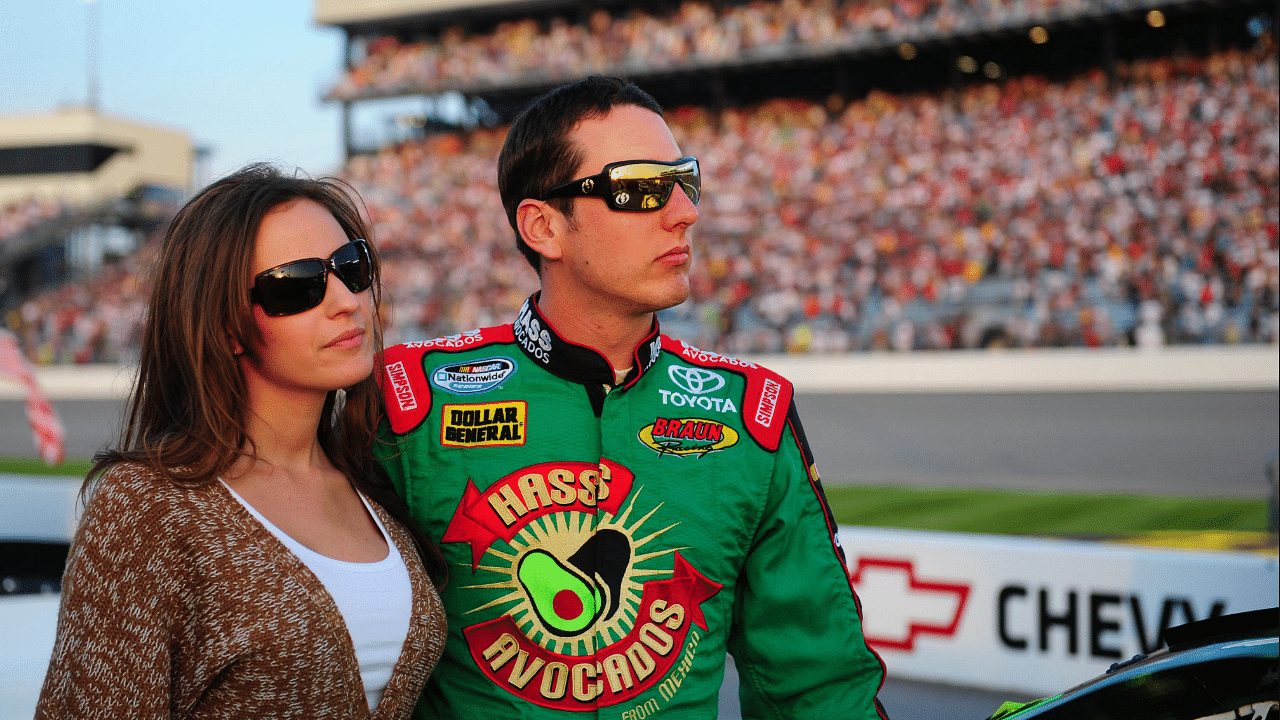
<point x="636" y="185"/>
<point x="300" y="285"/>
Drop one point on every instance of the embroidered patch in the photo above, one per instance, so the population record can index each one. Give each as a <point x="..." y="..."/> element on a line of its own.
<point x="473" y="377"/>
<point x="484" y="424"/>
<point x="695" y="380"/>
<point x="574" y="606"/>
<point x="768" y="402"/>
<point x="687" y="436"/>
<point x="401" y="390"/>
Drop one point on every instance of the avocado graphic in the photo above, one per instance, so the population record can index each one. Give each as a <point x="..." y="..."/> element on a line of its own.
<point x="605" y="558"/>
<point x="565" y="602"/>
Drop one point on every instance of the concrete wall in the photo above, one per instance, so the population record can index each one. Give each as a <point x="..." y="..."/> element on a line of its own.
<point x="1248" y="367"/>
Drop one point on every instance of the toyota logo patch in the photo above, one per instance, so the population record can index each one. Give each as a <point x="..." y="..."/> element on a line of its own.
<point x="695" y="380"/>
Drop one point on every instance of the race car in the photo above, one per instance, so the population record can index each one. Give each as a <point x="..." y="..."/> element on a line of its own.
<point x="1223" y="668"/>
<point x="37" y="520"/>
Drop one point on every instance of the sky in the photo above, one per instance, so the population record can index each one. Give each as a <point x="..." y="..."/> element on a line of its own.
<point x="242" y="78"/>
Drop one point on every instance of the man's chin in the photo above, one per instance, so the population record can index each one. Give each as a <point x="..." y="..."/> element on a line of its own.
<point x="673" y="299"/>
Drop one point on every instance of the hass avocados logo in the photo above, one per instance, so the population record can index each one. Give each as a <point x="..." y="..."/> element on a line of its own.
<point x="577" y="604"/>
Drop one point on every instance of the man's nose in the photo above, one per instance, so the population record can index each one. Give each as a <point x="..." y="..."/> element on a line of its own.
<point x="680" y="209"/>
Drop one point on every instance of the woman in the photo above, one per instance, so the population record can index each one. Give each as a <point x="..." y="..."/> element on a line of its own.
<point x="242" y="554"/>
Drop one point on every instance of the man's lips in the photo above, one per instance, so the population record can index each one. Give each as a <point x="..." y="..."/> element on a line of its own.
<point x="675" y="256"/>
<point x="347" y="340"/>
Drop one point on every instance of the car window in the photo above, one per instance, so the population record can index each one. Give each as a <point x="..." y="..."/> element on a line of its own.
<point x="1178" y="693"/>
<point x="31" y="567"/>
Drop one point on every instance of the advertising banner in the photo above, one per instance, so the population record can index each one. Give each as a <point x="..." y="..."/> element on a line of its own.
<point x="1031" y="615"/>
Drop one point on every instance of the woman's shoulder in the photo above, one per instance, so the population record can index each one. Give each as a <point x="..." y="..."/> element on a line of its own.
<point x="389" y="522"/>
<point x="135" y="513"/>
<point x="135" y="517"/>
<point x="399" y="534"/>
<point x="145" y="492"/>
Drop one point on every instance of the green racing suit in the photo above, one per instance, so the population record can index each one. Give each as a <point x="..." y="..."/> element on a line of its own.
<point x="610" y="542"/>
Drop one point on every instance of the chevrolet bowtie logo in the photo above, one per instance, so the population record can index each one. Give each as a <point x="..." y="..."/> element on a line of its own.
<point x="898" y="606"/>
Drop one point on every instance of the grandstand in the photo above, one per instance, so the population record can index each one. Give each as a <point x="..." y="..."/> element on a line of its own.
<point x="897" y="174"/>
<point x="80" y="192"/>
<point x="881" y="174"/>
<point x="502" y="52"/>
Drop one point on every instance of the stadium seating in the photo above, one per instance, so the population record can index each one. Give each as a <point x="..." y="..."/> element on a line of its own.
<point x="1026" y="212"/>
<point x="16" y="217"/>
<point x="694" y="34"/>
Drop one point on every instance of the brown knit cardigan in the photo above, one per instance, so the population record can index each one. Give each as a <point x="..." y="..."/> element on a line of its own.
<point x="177" y="603"/>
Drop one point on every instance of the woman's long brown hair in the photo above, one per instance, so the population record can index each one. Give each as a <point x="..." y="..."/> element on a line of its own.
<point x="186" y="416"/>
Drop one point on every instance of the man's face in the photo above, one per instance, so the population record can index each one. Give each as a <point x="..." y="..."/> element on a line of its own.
<point x="626" y="262"/>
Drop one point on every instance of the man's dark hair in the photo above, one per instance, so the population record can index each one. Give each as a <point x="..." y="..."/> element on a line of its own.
<point x="538" y="155"/>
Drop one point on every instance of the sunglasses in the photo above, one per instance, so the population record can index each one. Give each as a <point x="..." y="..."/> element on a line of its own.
<point x="300" y="285"/>
<point x="636" y="185"/>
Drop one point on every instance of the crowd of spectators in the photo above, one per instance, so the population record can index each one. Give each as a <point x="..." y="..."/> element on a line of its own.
<point x="1021" y="213"/>
<point x="95" y="321"/>
<point x="694" y="33"/>
<point x="18" y="216"/>
<point x="1137" y="211"/>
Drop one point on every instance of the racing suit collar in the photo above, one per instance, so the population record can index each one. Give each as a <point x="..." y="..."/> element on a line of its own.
<point x="573" y="362"/>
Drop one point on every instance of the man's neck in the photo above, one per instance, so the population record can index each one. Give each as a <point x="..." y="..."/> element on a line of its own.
<point x="613" y="335"/>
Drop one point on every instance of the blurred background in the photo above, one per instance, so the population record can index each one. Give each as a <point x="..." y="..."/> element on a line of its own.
<point x="882" y="175"/>
<point x="1021" y="255"/>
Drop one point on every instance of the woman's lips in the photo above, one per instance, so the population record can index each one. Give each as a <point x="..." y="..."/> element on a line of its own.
<point x="347" y="340"/>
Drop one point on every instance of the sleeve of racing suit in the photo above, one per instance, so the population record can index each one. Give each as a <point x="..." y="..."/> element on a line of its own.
<point x="390" y="450"/>
<point x="396" y="454"/>
<point x="797" y="631"/>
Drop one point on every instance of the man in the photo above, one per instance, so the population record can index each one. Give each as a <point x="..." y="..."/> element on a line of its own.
<point x="620" y="508"/>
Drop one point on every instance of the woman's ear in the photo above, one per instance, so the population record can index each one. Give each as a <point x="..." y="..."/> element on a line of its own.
<point x="541" y="226"/>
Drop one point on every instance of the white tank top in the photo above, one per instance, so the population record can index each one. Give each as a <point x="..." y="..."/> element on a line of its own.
<point x="375" y="600"/>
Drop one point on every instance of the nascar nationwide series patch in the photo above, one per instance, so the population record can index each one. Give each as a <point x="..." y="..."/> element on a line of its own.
<point x="484" y="424"/>
<point x="473" y="377"/>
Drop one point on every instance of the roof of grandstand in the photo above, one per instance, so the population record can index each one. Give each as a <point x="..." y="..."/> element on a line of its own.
<point x="84" y="157"/>
<point x="852" y="59"/>
<point x="367" y="15"/>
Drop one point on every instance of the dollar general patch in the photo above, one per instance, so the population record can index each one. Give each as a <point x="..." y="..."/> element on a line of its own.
<point x="484" y="424"/>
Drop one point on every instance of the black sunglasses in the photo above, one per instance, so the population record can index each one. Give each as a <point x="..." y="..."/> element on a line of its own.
<point x="300" y="285"/>
<point x="636" y="185"/>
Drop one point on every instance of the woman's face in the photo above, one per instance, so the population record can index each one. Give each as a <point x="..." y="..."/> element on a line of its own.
<point x="327" y="347"/>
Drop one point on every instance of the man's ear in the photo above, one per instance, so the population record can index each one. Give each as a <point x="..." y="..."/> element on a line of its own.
<point x="541" y="226"/>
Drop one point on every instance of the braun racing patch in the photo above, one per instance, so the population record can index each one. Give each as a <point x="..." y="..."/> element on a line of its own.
<point x="484" y="424"/>
<point x="472" y="377"/>
<point x="687" y="436"/>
